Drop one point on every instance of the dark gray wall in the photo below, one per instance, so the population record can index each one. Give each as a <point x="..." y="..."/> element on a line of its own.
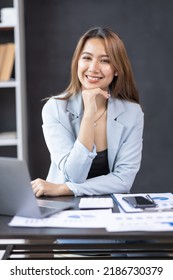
<point x="146" y="27"/>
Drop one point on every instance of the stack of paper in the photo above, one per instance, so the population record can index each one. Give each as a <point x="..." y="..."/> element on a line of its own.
<point x="164" y="201"/>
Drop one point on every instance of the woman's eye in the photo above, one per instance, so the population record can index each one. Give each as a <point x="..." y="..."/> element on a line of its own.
<point x="105" y="61"/>
<point x="86" y="58"/>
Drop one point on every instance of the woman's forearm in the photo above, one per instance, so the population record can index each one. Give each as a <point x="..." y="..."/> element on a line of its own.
<point x="86" y="133"/>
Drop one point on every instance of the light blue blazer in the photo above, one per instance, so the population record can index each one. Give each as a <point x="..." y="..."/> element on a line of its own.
<point x="71" y="161"/>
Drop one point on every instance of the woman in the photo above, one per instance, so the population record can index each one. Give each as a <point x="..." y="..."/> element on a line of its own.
<point x="94" y="129"/>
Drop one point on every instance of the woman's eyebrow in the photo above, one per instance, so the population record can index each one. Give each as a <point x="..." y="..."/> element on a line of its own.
<point x="102" y="55"/>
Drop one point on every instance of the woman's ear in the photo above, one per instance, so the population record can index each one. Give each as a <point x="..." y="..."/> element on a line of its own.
<point x="116" y="74"/>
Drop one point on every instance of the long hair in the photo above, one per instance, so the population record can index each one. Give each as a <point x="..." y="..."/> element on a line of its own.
<point x="123" y="86"/>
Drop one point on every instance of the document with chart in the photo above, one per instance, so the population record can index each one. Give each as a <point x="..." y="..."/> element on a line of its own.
<point x="163" y="201"/>
<point x="158" y="221"/>
<point x="75" y="219"/>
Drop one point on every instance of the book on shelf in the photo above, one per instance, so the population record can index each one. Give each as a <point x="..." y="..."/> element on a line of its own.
<point x="7" y="61"/>
<point x="2" y="53"/>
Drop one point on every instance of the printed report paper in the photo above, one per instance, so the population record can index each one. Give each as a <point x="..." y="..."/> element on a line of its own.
<point x="69" y="218"/>
<point x="140" y="222"/>
<point x="162" y="200"/>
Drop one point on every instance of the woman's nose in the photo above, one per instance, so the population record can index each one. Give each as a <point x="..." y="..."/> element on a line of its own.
<point x="94" y="66"/>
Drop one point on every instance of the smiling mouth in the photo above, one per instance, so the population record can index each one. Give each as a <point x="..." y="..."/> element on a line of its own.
<point x="93" y="78"/>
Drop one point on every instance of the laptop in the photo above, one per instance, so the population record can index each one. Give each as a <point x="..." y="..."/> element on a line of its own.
<point x="16" y="194"/>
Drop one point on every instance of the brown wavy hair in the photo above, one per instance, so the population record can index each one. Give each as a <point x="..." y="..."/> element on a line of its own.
<point x="123" y="86"/>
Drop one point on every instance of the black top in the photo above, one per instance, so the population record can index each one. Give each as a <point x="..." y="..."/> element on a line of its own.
<point x="99" y="165"/>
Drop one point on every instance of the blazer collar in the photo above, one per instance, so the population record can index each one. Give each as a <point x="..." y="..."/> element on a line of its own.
<point x="75" y="105"/>
<point x="114" y="129"/>
<point x="115" y="108"/>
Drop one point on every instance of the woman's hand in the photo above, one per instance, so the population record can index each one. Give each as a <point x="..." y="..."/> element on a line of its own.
<point x="89" y="98"/>
<point x="41" y="187"/>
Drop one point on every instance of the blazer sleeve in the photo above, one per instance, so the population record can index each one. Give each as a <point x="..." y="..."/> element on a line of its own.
<point x="126" y="165"/>
<point x="70" y="157"/>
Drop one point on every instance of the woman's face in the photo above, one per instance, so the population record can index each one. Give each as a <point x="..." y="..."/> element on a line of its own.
<point x="95" y="69"/>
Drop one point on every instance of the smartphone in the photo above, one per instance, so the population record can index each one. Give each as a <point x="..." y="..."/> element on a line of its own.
<point x="139" y="201"/>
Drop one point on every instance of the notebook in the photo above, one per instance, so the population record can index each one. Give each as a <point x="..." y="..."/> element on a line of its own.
<point x="16" y="194"/>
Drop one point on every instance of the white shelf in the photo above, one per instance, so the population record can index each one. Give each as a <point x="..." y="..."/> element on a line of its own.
<point x="8" y="84"/>
<point x="3" y="26"/>
<point x="19" y="138"/>
<point x="8" y="138"/>
<point x="8" y="142"/>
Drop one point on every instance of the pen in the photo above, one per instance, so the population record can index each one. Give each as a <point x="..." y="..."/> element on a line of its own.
<point x="149" y="197"/>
